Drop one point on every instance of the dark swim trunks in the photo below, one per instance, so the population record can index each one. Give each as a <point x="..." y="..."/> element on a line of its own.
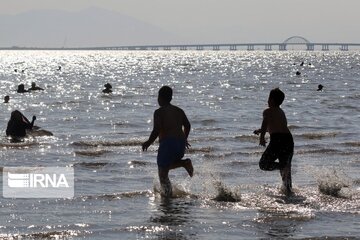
<point x="170" y="150"/>
<point x="281" y="147"/>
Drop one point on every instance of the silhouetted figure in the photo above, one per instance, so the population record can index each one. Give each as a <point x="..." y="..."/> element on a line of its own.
<point x="18" y="124"/>
<point x="108" y="88"/>
<point x="172" y="127"/>
<point x="22" y="71"/>
<point x="34" y="87"/>
<point x="6" y="99"/>
<point x="298" y="73"/>
<point x="302" y="64"/>
<point x="21" y="89"/>
<point x="281" y="144"/>
<point x="15" y="70"/>
<point x="320" y="87"/>
<point x="59" y="68"/>
<point x="309" y="64"/>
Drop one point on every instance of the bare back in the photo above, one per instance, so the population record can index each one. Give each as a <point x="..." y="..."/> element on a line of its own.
<point x="169" y="120"/>
<point x="276" y="121"/>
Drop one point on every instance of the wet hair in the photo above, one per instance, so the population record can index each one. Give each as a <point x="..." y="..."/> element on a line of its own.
<point x="16" y="115"/>
<point x="165" y="93"/>
<point x="21" y="87"/>
<point x="277" y="95"/>
<point x="108" y="85"/>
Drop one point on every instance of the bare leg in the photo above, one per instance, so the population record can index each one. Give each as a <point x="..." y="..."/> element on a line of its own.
<point x="166" y="188"/>
<point x="187" y="164"/>
<point x="286" y="179"/>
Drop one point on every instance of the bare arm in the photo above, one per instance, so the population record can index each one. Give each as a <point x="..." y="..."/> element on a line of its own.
<point x="154" y="133"/>
<point x="187" y="128"/>
<point x="263" y="128"/>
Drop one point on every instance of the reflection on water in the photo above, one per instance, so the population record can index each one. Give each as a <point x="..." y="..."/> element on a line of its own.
<point x="223" y="94"/>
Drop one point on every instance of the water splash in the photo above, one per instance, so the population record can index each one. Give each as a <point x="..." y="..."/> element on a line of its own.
<point x="226" y="194"/>
<point x="331" y="182"/>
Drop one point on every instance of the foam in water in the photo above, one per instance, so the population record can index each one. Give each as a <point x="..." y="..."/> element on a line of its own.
<point x="331" y="182"/>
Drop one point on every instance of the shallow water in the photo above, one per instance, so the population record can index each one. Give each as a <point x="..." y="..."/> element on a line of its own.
<point x="223" y="94"/>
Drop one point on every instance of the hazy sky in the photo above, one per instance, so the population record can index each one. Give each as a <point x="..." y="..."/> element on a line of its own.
<point x="227" y="20"/>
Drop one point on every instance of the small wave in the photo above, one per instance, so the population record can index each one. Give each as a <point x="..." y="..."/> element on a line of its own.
<point x="62" y="234"/>
<point x="112" y="196"/>
<point x="92" y="165"/>
<point x="91" y="153"/>
<point x="138" y="163"/>
<point x="24" y="144"/>
<point x="125" y="143"/>
<point x="318" y="135"/>
<point x="40" y="133"/>
<point x="249" y="138"/>
<point x="321" y="151"/>
<point x="200" y="150"/>
<point x="352" y="144"/>
<point x="208" y="122"/>
<point x="292" y="127"/>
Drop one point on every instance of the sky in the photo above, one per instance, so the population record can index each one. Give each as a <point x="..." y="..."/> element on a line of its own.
<point x="226" y="21"/>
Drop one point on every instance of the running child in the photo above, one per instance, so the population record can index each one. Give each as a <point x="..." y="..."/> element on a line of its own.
<point x="281" y="144"/>
<point x="172" y="127"/>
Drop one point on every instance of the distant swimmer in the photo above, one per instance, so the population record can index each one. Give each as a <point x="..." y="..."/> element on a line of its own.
<point x="298" y="73"/>
<point x="18" y="124"/>
<point x="108" y="88"/>
<point x="21" y="89"/>
<point x="172" y="127"/>
<point x="6" y="99"/>
<point x="34" y="87"/>
<point x="320" y="87"/>
<point x="302" y="64"/>
<point x="15" y="70"/>
<point x="59" y="68"/>
<point x="281" y="144"/>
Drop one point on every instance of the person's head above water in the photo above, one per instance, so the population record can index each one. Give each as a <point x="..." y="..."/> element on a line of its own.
<point x="108" y="86"/>
<point x="276" y="97"/>
<point x="165" y="95"/>
<point x="21" y="88"/>
<point x="16" y="115"/>
<point x="6" y="99"/>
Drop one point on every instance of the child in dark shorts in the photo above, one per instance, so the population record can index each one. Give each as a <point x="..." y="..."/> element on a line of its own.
<point x="281" y="144"/>
<point x="172" y="127"/>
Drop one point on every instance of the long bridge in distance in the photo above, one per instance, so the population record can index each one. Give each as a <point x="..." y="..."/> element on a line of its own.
<point x="291" y="43"/>
<point x="299" y="42"/>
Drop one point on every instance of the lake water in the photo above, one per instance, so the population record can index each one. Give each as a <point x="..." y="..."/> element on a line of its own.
<point x="223" y="94"/>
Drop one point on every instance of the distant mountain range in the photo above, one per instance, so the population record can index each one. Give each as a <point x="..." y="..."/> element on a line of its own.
<point x="91" y="27"/>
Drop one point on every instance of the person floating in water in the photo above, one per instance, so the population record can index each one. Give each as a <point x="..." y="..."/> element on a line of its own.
<point x="18" y="124"/>
<point x="281" y="144"/>
<point x="34" y="87"/>
<point x="21" y="89"/>
<point x="59" y="68"/>
<point x="108" y="88"/>
<point x="298" y="73"/>
<point x="320" y="87"/>
<point x="6" y="99"/>
<point x="169" y="121"/>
